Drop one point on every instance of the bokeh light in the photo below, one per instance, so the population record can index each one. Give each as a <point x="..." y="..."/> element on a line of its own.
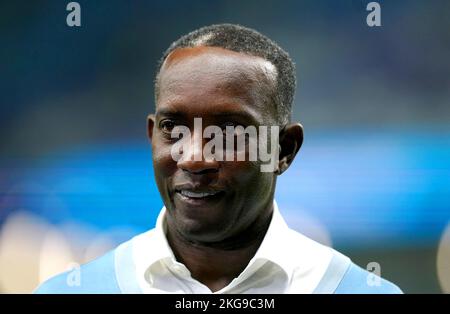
<point x="443" y="260"/>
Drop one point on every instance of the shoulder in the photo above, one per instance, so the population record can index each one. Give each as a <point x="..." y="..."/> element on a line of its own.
<point x="360" y="281"/>
<point x="97" y="276"/>
<point x="338" y="274"/>
<point x="114" y="272"/>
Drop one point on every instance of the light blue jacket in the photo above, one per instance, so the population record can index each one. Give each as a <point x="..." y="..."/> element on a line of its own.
<point x="113" y="273"/>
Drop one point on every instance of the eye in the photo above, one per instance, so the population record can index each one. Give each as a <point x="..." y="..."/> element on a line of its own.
<point x="231" y="124"/>
<point x="237" y="128"/>
<point x="167" y="126"/>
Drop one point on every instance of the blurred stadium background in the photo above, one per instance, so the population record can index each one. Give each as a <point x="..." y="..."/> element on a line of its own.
<point x="372" y="179"/>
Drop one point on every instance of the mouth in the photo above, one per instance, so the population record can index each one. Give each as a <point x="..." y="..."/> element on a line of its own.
<point x="192" y="194"/>
<point x="199" y="197"/>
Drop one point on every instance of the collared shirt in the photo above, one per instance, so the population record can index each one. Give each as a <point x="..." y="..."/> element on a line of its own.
<point x="286" y="262"/>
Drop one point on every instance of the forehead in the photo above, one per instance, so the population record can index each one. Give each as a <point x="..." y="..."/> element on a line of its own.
<point x="205" y="76"/>
<point x="217" y="60"/>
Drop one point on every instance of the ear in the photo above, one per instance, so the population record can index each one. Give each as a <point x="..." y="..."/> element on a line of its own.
<point x="150" y="125"/>
<point x="291" y="139"/>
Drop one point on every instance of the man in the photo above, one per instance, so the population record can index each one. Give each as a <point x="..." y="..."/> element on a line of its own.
<point x="220" y="230"/>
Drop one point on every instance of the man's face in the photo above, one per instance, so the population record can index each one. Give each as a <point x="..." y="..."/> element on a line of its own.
<point x="224" y="88"/>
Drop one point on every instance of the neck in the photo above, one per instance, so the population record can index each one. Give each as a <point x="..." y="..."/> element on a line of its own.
<point x="217" y="264"/>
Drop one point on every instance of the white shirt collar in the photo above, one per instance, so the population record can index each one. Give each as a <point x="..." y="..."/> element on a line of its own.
<point x="296" y="255"/>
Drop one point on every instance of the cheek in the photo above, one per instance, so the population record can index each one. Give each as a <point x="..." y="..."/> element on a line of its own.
<point x="248" y="176"/>
<point x="252" y="188"/>
<point x="163" y="163"/>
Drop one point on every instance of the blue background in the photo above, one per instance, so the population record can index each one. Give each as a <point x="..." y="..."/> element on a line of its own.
<point x="374" y="170"/>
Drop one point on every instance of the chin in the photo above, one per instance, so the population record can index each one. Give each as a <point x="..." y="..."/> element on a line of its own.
<point x="194" y="230"/>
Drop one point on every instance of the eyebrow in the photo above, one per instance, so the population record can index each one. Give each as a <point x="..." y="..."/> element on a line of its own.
<point x="234" y="114"/>
<point x="169" y="112"/>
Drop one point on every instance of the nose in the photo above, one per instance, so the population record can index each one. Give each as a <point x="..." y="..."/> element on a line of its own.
<point x="193" y="161"/>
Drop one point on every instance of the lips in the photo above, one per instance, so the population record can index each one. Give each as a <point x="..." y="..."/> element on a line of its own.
<point x="197" y="195"/>
<point x="193" y="194"/>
